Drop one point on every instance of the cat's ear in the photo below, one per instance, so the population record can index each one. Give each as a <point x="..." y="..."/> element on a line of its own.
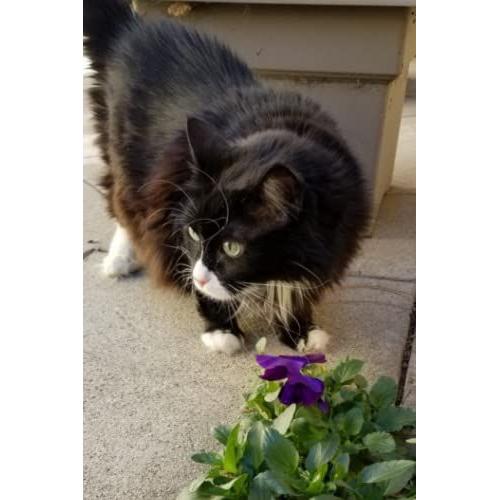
<point x="207" y="146"/>
<point x="281" y="192"/>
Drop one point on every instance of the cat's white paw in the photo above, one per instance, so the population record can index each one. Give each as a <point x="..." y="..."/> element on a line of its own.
<point x="120" y="260"/>
<point x="221" y="341"/>
<point x="116" y="266"/>
<point x="317" y="340"/>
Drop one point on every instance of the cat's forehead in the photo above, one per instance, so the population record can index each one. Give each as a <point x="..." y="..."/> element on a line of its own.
<point x="211" y="204"/>
<point x="220" y="211"/>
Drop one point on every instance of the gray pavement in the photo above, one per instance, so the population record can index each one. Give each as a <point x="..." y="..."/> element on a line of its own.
<point x="151" y="391"/>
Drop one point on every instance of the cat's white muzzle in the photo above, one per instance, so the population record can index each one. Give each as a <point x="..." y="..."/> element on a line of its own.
<point x="208" y="283"/>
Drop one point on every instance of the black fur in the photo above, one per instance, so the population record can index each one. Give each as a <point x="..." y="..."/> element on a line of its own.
<point x="191" y="138"/>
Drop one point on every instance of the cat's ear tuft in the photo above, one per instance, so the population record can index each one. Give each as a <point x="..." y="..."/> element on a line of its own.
<point x="207" y="146"/>
<point x="281" y="192"/>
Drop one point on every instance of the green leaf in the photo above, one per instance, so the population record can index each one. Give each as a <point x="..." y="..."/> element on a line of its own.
<point x="398" y="483"/>
<point x="371" y="492"/>
<point x="283" y="420"/>
<point x="313" y="415"/>
<point x="395" y="418"/>
<point x="207" y="457"/>
<point x="386" y="471"/>
<point x="348" y="394"/>
<point x="379" y="442"/>
<point x="259" y="489"/>
<point x="353" y="421"/>
<point x="321" y="453"/>
<point x="233" y="483"/>
<point x="280" y="454"/>
<point x="350" y="489"/>
<point x="186" y="494"/>
<point x="255" y="444"/>
<point x="306" y="434"/>
<point x="195" y="485"/>
<point x="320" y="474"/>
<point x="326" y="497"/>
<point x="412" y="441"/>
<point x="316" y="484"/>
<point x="230" y="460"/>
<point x="352" y="448"/>
<point x="315" y="487"/>
<point x="267" y="480"/>
<point x="221" y="433"/>
<point x="272" y="396"/>
<point x="347" y="370"/>
<point x="360" y="381"/>
<point x="271" y="391"/>
<point x="341" y="466"/>
<point x="257" y="402"/>
<point x="335" y="399"/>
<point x="383" y="392"/>
<point x="209" y="490"/>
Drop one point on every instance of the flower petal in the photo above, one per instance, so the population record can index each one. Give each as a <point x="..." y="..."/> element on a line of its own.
<point x="290" y="393"/>
<point x="301" y="389"/>
<point x="275" y="373"/>
<point x="317" y="357"/>
<point x="323" y="406"/>
<point x="293" y="364"/>
<point x="266" y="360"/>
<point x="298" y="359"/>
<point x="312" y="383"/>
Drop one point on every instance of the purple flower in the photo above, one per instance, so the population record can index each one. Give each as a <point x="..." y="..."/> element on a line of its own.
<point x="301" y="389"/>
<point x="280" y="367"/>
<point x="298" y="388"/>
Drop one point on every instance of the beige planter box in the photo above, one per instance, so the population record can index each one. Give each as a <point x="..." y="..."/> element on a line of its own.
<point x="351" y="56"/>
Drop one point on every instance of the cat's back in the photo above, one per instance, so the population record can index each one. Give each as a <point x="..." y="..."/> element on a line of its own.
<point x="167" y="57"/>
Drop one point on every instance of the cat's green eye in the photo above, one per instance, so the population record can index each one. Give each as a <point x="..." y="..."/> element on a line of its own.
<point x="193" y="234"/>
<point x="232" y="248"/>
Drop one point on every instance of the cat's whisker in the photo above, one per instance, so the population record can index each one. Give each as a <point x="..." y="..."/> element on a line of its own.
<point x="252" y="307"/>
<point x="315" y="276"/>
<point x="299" y="287"/>
<point x="285" y="313"/>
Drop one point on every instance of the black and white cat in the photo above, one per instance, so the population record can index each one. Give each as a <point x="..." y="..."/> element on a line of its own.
<point x="247" y="195"/>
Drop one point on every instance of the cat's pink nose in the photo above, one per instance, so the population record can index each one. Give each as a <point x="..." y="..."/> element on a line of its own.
<point x="201" y="282"/>
<point x="201" y="275"/>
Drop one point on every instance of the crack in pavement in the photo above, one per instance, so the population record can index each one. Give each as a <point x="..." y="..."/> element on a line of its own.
<point x="407" y="352"/>
<point x="90" y="251"/>
<point x="95" y="188"/>
<point x="378" y="277"/>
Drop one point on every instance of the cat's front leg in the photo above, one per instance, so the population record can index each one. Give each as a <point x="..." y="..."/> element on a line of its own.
<point x="222" y="332"/>
<point x="298" y="331"/>
<point x="121" y="260"/>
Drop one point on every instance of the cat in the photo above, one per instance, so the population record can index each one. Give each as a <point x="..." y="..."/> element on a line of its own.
<point x="244" y="195"/>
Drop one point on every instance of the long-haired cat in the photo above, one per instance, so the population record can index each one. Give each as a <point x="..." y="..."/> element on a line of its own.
<point x="247" y="195"/>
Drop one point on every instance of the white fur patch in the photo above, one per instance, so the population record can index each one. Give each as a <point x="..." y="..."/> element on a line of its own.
<point x="221" y="341"/>
<point x="301" y="345"/>
<point x="280" y="298"/>
<point x="120" y="260"/>
<point x="207" y="283"/>
<point x="317" y="340"/>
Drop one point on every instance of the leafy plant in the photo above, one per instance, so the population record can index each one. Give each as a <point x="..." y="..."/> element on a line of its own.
<point x="312" y="432"/>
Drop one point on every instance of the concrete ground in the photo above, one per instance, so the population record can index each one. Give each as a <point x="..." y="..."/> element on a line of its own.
<point x="151" y="391"/>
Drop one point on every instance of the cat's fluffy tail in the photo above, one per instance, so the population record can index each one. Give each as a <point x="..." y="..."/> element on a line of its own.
<point x="103" y="21"/>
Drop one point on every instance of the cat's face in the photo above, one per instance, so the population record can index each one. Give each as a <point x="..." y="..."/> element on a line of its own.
<point x="242" y="210"/>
